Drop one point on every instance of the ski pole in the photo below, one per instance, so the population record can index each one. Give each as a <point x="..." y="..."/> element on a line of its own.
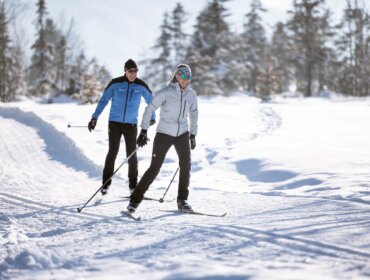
<point x="162" y="199"/>
<point x="69" y="126"/>
<point x="79" y="209"/>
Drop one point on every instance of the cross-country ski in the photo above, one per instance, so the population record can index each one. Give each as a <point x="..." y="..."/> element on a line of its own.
<point x="196" y="213"/>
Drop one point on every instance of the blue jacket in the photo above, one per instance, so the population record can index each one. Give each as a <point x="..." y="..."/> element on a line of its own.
<point x="125" y="97"/>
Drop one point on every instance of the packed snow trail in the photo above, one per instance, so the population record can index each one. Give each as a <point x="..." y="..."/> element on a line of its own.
<point x="278" y="226"/>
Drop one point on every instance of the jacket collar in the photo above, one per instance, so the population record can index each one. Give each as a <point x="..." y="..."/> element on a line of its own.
<point x="176" y="86"/>
<point x="126" y="80"/>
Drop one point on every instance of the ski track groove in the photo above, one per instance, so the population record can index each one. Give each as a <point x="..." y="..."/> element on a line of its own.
<point x="45" y="208"/>
<point x="317" y="245"/>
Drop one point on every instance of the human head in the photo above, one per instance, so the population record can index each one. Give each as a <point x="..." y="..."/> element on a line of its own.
<point x="131" y="70"/>
<point x="182" y="75"/>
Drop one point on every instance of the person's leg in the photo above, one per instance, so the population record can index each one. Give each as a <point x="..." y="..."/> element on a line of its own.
<point x="114" y="133"/>
<point x="130" y="135"/>
<point x="161" y="145"/>
<point x="182" y="147"/>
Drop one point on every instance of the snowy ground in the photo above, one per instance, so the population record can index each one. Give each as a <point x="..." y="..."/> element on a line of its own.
<point x="293" y="176"/>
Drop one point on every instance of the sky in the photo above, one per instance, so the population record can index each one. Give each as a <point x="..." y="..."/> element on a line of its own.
<point x="292" y="175"/>
<point x="114" y="30"/>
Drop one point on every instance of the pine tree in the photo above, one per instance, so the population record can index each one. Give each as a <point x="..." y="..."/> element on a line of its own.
<point x="269" y="77"/>
<point x="4" y="55"/>
<point x="39" y="74"/>
<point x="76" y="78"/>
<point x="309" y="38"/>
<point x="159" y="69"/>
<point x="178" y="36"/>
<point x="281" y="48"/>
<point x="206" y="54"/>
<point x="354" y="50"/>
<point x="210" y="29"/>
<point x="11" y="70"/>
<point x="255" y="43"/>
<point x="61" y="63"/>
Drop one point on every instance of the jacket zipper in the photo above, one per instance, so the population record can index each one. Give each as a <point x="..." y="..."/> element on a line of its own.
<point x="178" y="119"/>
<point x="183" y="112"/>
<point x="124" y="113"/>
<point x="131" y="95"/>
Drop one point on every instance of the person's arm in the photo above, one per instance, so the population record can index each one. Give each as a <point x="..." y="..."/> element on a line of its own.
<point x="148" y="97"/>
<point x="193" y="116"/>
<point x="107" y="95"/>
<point x="156" y="102"/>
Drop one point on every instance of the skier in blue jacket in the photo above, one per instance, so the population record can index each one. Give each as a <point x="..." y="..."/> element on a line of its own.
<point x="125" y="94"/>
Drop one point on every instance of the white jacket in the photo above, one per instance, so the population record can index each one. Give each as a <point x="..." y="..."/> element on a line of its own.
<point x="176" y="107"/>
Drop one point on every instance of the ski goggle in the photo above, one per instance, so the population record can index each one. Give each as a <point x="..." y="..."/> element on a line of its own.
<point x="132" y="70"/>
<point x="184" y="76"/>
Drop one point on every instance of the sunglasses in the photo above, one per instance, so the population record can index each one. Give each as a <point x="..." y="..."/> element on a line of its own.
<point x="133" y="70"/>
<point x="183" y="76"/>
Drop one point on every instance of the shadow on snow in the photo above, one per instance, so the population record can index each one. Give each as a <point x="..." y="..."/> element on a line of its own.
<point x="57" y="145"/>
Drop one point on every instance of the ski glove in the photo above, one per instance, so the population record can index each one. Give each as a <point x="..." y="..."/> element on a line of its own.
<point x="151" y="122"/>
<point x="92" y="124"/>
<point x="193" y="144"/>
<point x="143" y="139"/>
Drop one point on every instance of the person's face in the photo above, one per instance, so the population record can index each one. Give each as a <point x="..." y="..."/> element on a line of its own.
<point x="131" y="74"/>
<point x="183" y="80"/>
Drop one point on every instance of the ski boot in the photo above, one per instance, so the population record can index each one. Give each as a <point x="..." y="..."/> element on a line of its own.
<point x="183" y="206"/>
<point x="132" y="206"/>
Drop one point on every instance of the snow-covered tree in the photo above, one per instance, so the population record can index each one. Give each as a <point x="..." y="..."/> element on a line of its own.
<point x="308" y="33"/>
<point x="76" y="77"/>
<point x="40" y="74"/>
<point x="281" y="48"/>
<point x="210" y="43"/>
<point x="178" y="36"/>
<point x="4" y="55"/>
<point x="254" y="43"/>
<point x="11" y="68"/>
<point x="353" y="43"/>
<point x="158" y="70"/>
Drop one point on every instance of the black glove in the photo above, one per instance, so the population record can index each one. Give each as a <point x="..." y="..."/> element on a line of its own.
<point x="151" y="122"/>
<point x="143" y="139"/>
<point x="193" y="144"/>
<point x="92" y="124"/>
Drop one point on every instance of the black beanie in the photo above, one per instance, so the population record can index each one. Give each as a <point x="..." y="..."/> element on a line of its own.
<point x="130" y="64"/>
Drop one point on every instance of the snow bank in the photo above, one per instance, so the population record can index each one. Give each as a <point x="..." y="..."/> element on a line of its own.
<point x="58" y="146"/>
<point x="35" y="258"/>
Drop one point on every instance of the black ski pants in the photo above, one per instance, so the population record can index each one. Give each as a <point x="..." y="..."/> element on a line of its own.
<point x="115" y="132"/>
<point x="162" y="143"/>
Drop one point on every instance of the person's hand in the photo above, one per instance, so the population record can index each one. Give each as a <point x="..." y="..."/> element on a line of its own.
<point x="143" y="139"/>
<point x="151" y="122"/>
<point x="193" y="144"/>
<point x="92" y="124"/>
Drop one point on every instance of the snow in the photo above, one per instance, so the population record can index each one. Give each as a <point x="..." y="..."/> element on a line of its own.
<point x="292" y="174"/>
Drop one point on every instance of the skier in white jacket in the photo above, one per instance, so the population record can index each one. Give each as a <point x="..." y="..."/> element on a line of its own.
<point x="178" y="103"/>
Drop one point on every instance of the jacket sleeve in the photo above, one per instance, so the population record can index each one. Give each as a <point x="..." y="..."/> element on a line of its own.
<point x="148" y="97"/>
<point x="107" y="95"/>
<point x="193" y="116"/>
<point x="156" y="102"/>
